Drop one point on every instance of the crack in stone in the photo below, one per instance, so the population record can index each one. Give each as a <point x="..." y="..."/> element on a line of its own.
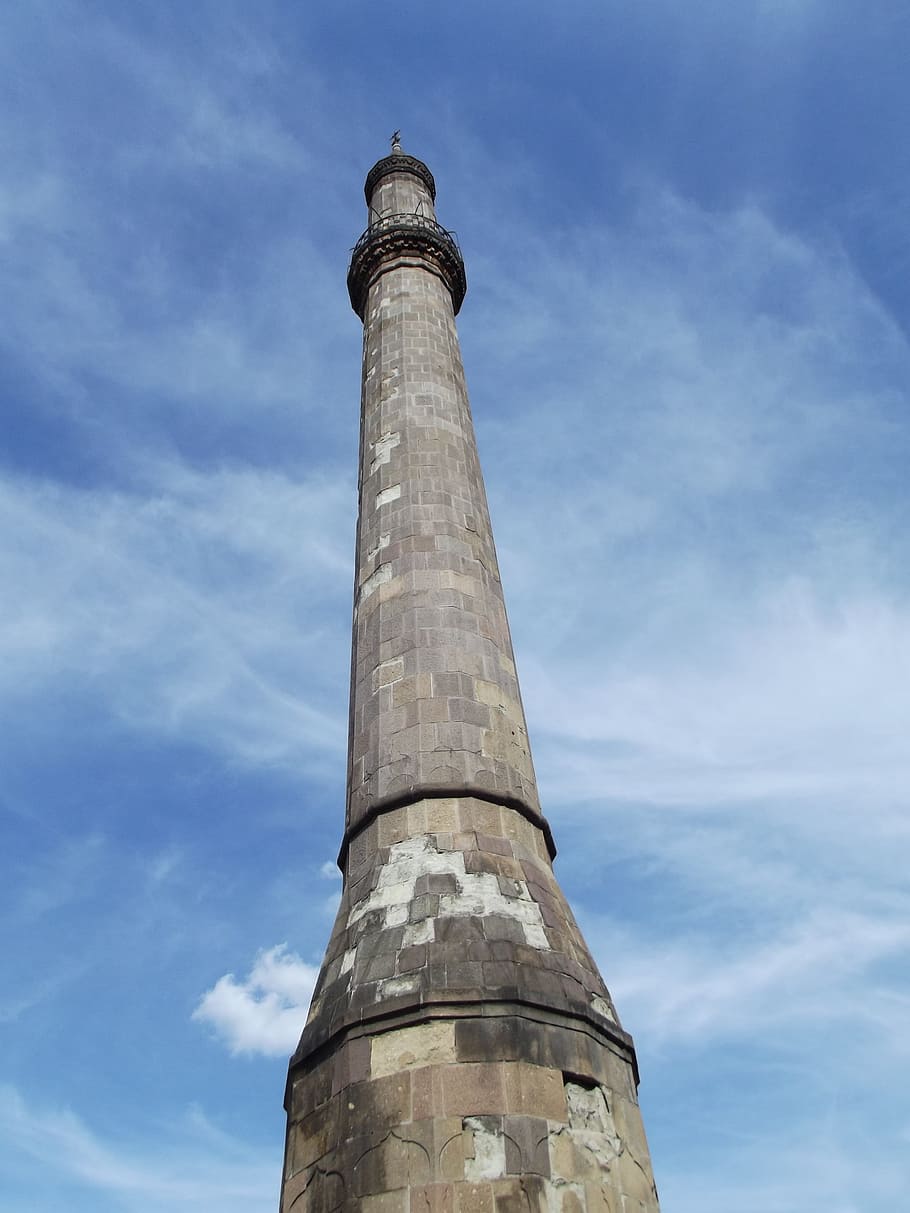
<point x="321" y="1173"/>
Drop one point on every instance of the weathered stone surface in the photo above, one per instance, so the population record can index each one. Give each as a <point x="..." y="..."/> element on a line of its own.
<point x="480" y="933"/>
<point x="462" y="1053"/>
<point x="430" y="628"/>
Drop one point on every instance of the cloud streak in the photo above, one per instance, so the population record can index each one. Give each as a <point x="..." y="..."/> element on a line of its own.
<point x="190" y="1170"/>
<point x="192" y="604"/>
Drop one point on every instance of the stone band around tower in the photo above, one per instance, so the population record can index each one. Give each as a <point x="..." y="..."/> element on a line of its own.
<point x="392" y="237"/>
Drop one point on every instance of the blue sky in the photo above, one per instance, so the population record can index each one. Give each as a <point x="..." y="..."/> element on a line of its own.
<point x="686" y="339"/>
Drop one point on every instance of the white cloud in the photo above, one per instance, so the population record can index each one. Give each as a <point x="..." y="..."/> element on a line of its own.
<point x="265" y="1013"/>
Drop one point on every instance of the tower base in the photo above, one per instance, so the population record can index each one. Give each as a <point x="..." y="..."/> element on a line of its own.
<point x="462" y="1054"/>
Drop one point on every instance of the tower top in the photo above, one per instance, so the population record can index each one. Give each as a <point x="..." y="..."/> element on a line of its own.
<point x="400" y="194"/>
<point x="398" y="162"/>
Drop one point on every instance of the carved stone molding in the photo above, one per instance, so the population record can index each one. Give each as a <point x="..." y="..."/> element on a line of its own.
<point x="395" y="236"/>
<point x="398" y="162"/>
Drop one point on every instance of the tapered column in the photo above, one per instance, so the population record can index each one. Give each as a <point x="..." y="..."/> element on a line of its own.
<point x="462" y="1051"/>
<point x="435" y="705"/>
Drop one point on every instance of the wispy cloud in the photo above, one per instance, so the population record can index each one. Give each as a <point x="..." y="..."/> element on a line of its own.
<point x="265" y="1012"/>
<point x="194" y="603"/>
<point x="815" y="971"/>
<point x="728" y="546"/>
<point x="692" y="418"/>
<point x="191" y="1168"/>
<point x="787" y="696"/>
<point x="114" y="302"/>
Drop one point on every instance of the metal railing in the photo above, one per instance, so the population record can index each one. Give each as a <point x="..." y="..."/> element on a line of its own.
<point x="406" y="219"/>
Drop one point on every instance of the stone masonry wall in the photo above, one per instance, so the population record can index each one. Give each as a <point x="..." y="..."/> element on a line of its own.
<point x="472" y="1115"/>
<point x="401" y="194"/>
<point x="462" y="1051"/>
<point x="435" y="698"/>
<point x="453" y="901"/>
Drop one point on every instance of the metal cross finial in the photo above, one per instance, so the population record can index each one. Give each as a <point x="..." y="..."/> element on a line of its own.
<point x="396" y="142"/>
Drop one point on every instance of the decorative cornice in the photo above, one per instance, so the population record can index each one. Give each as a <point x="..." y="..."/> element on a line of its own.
<point x="395" y="236"/>
<point x="398" y="162"/>
<point x="403" y="1011"/>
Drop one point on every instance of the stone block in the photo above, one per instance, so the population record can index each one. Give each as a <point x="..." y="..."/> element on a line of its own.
<point x="627" y="1119"/>
<point x="381" y="1103"/>
<point x="414" y="1047"/>
<point x="411" y="958"/>
<point x="442" y="816"/>
<point x="449" y="1147"/>
<point x="426" y="1093"/>
<point x="310" y="1139"/>
<point x="307" y="1092"/>
<point x="518" y="1196"/>
<point x="436" y="882"/>
<point x="473" y="1089"/>
<point x="424" y="906"/>
<point x="501" y="976"/>
<point x="601" y="1198"/>
<point x="527" y="1145"/>
<point x="573" y="1199"/>
<point x="483" y="817"/>
<point x="341" y="1070"/>
<point x="474" y="1198"/>
<point x="635" y="1181"/>
<point x="432" y="1198"/>
<point x="386" y="1202"/>
<point x="393" y="827"/>
<point x="417" y="819"/>
<point x="535" y="1091"/>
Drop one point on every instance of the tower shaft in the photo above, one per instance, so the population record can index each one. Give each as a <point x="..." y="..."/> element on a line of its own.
<point x="461" y="1052"/>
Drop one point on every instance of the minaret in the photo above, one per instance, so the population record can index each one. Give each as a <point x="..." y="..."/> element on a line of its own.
<point x="462" y="1053"/>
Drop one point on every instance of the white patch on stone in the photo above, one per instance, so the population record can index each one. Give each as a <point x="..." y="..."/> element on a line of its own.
<point x="382" y="450"/>
<point x="419" y="932"/>
<point x="489" y="1150"/>
<point x="559" y="1194"/>
<point x="602" y="1008"/>
<point x="347" y="961"/>
<point x="387" y="672"/>
<point x="399" y="894"/>
<point x="375" y="580"/>
<point x="536" y="936"/>
<point x="478" y="894"/>
<point x="396" y="916"/>
<point x="383" y="543"/>
<point x="392" y="493"/>
<point x="592" y="1127"/>
<point x="392" y="987"/>
<point x="587" y="1108"/>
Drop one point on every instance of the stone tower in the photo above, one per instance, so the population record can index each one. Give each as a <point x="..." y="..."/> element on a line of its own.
<point x="462" y="1053"/>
